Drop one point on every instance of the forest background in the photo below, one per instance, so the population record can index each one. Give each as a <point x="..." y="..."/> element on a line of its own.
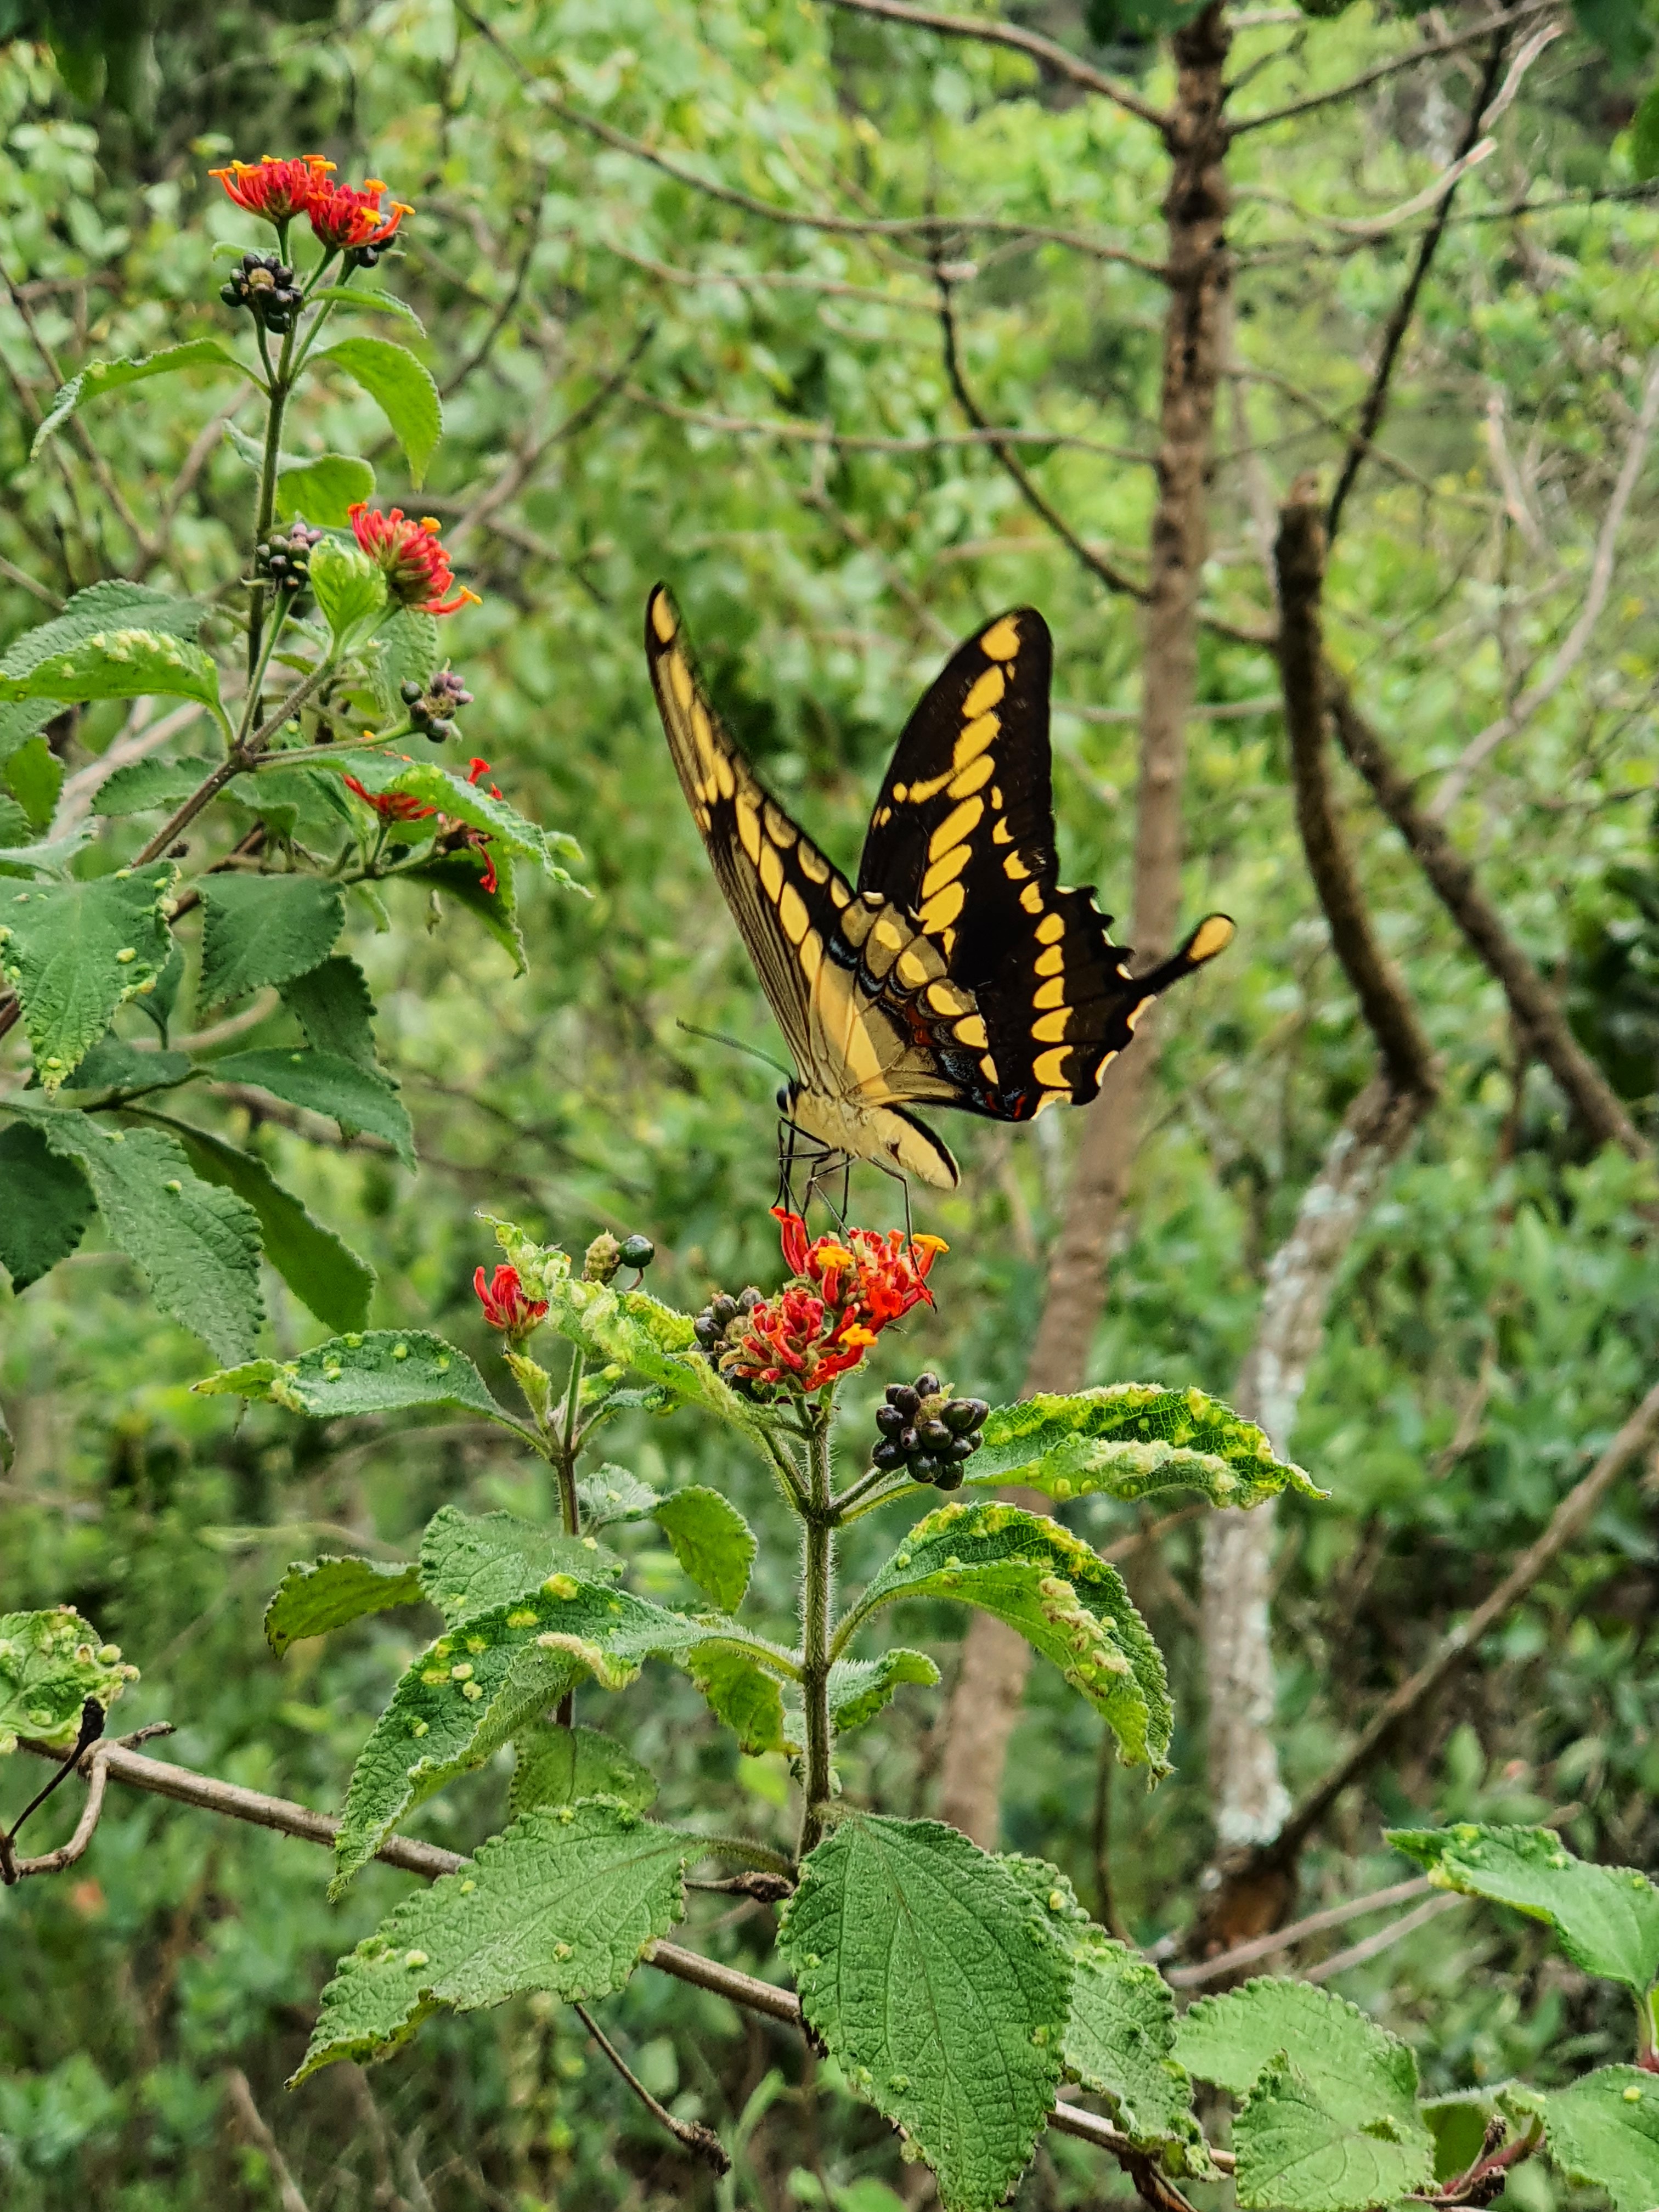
<point x="704" y="303"/>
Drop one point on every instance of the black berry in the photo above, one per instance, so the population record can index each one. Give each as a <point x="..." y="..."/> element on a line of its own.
<point x="902" y="1395"/>
<point x="637" y="1252"/>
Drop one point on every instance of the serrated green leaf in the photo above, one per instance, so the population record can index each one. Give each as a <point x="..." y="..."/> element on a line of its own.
<point x="51" y="857"/>
<point x="559" y="1766"/>
<point x="967" y="2058"/>
<point x="47" y="1205"/>
<point x="713" y="1542"/>
<point x="21" y="719"/>
<point x="349" y="590"/>
<point x="400" y="387"/>
<point x="1066" y="1602"/>
<point x="356" y="1096"/>
<point x="316" y="1595"/>
<point x="99" y="377"/>
<point x="34" y="777"/>
<point x="322" y="491"/>
<point x="860" y="1688"/>
<point x="1458" y="2124"/>
<point x="327" y="1277"/>
<point x="146" y="785"/>
<point x="1604" y="2130"/>
<point x="1363" y="2076"/>
<point x="199" y="1247"/>
<point x="612" y="1494"/>
<point x="564" y="1901"/>
<point x="332" y="1006"/>
<point x="747" y="1698"/>
<point x="264" y="929"/>
<point x="460" y="876"/>
<point x="1295" y="2154"/>
<point x="51" y="1663"/>
<point x="121" y="664"/>
<point x="474" y="1563"/>
<point x="113" y="605"/>
<point x="386" y="1372"/>
<point x="115" y="1067"/>
<point x="385" y="303"/>
<point x="1607" y="1917"/>
<point x="1130" y="1440"/>
<point x="74" y="952"/>
<point x="434" y="785"/>
<point x="406" y="651"/>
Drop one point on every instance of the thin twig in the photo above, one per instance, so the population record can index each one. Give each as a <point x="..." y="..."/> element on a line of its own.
<point x="822" y="434"/>
<point x="1056" y="59"/>
<point x="1385" y="1938"/>
<point x="252" y="2124"/>
<point x="1355" y="85"/>
<point x="1228" y="1963"/>
<point x="691" y="2135"/>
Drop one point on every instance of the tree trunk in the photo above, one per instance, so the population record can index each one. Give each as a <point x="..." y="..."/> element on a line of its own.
<point x="990" y="1688"/>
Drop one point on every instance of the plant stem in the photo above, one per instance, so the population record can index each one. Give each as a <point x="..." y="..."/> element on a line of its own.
<point x="816" y="1581"/>
<point x="282" y="383"/>
<point x="566" y="1444"/>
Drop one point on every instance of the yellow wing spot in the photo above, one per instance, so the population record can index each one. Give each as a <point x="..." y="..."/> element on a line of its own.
<point x="1050" y="929"/>
<point x="1215" y="934"/>
<point x="1050" y="962"/>
<point x="791" y="913"/>
<point x="812" y="956"/>
<point x="662" y="617"/>
<point x="973" y="777"/>
<point x="1051" y="993"/>
<point x="705" y="820"/>
<point x="987" y="1068"/>
<point x="1015" y="869"/>
<point x="728" y="782"/>
<point x="949" y="999"/>
<point x="901" y="793"/>
<point x="749" y="825"/>
<point x="1133" y="1018"/>
<point x="771" y="871"/>
<point x="942" y="910"/>
<point x="679" y="680"/>
<point x="779" y="828"/>
<point x="1001" y="641"/>
<point x="1048" y="1028"/>
<point x="884" y="815"/>
<point x="996" y="797"/>
<point x="1106" y="1060"/>
<point x="1050" y="1099"/>
<point x="960" y="822"/>
<point x="887" y="933"/>
<point x="945" y="869"/>
<point x="839" y="892"/>
<point x="1031" y="899"/>
<point x="974" y="740"/>
<point x="919" y="964"/>
<point x="813" y="866"/>
<point x="986" y="693"/>
<point x="971" y="1031"/>
<point x="855" y="922"/>
<point x="1001" y="834"/>
<point x="920" y="793"/>
<point x="1049" y="1069"/>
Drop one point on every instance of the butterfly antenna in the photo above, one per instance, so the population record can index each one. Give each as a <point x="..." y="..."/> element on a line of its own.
<point x="738" y="1044"/>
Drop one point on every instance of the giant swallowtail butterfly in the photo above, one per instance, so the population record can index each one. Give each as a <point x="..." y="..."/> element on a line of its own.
<point x="959" y="972"/>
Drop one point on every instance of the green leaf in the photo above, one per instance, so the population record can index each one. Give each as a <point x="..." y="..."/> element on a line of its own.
<point x="612" y="1494"/>
<point x="1296" y="2153"/>
<point x="860" y="1688"/>
<point x="264" y="929"/>
<point x="406" y="651"/>
<point x="1130" y="1440"/>
<point x="1645" y="136"/>
<point x="1604" y="2130"/>
<point x="146" y="785"/>
<point x="742" y="1695"/>
<point x="113" y="605"/>
<point x="35" y="776"/>
<point x="48" y="1204"/>
<point x="1607" y="1917"/>
<point x="1360" y="2072"/>
<point x="99" y="377"/>
<point x="116" y="1068"/>
<point x="401" y="388"/>
<point x="939" y="1988"/>
<point x="1065" y="1602"/>
<point x="321" y="491"/>
<point x="48" y="858"/>
<point x="331" y="1004"/>
<point x="51" y="1663"/>
<point x="480" y="1685"/>
<point x="316" y="1595"/>
<point x="198" y="1247"/>
<point x="473" y="1563"/>
<point x="357" y="1098"/>
<point x="564" y="1901"/>
<point x="320" y="1268"/>
<point x="434" y="785"/>
<point x="349" y="590"/>
<point x="560" y="1766"/>
<point x="74" y="952"/>
<point x="713" y="1542"/>
<point x="22" y="719"/>
<point x="385" y="303"/>
<point x="121" y="664"/>
<point x="460" y="876"/>
<point x="386" y="1371"/>
<point x="1458" y="2124"/>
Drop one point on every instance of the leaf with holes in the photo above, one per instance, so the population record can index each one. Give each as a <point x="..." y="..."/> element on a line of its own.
<point x="74" y="952"/>
<point x="99" y="377"/>
<point x="356" y="1096"/>
<point x="1065" y="1602"/>
<point x="264" y="929"/>
<point x="400" y="387"/>
<point x="48" y="1204"/>
<point x="316" y="1595"/>
<point x="1604" y="2130"/>
<point x="322" y="1272"/>
<point x="967" y="2059"/>
<point x="386" y="1371"/>
<point x="558" y="1766"/>
<point x="565" y="1900"/>
<point x="1130" y="1440"/>
<point x="50" y="1664"/>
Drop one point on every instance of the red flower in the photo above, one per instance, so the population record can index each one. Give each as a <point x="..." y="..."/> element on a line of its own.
<point x="881" y="1276"/>
<point x="479" y="838"/>
<point x="345" y="216"/>
<point x="844" y="1293"/>
<point x="390" y="805"/>
<point x="418" y="571"/>
<point x="504" y="1302"/>
<point x="277" y="189"/>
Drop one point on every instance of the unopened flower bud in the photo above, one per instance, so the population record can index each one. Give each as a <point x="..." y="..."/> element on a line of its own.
<point x="602" y="1259"/>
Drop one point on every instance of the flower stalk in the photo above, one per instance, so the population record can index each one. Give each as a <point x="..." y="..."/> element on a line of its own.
<point x="818" y="1582"/>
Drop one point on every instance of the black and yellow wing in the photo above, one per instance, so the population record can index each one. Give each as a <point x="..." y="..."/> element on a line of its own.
<point x="963" y="834"/>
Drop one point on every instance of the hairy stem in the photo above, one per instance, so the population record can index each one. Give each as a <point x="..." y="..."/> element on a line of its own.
<point x="815" y="1634"/>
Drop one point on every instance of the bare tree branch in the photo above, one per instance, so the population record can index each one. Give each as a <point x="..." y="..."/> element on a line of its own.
<point x="823" y="434"/>
<point x="252" y="2126"/>
<point x="1299" y="1931"/>
<point x="702" y="2142"/>
<point x="1367" y="78"/>
<point x="1371" y="1946"/>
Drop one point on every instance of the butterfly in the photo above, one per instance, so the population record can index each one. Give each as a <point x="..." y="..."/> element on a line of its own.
<point x="958" y="972"/>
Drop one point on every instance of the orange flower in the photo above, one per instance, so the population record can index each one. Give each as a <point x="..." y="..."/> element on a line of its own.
<point x="277" y="189"/>
<point x="846" y="1292"/>
<point x="349" y="217"/>
<point x="506" y="1306"/>
<point x="390" y="805"/>
<point x="417" y="570"/>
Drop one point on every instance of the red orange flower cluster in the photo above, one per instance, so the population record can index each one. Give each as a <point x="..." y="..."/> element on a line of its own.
<point x="403" y="806"/>
<point x="505" y="1302"/>
<point x="390" y="805"/>
<point x="345" y="218"/>
<point x="416" y="566"/>
<point x="845" y="1290"/>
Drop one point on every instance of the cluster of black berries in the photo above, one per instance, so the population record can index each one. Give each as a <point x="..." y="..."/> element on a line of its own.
<point x="285" y="556"/>
<point x="927" y="1434"/>
<point x="266" y="288"/>
<point x="720" y="1322"/>
<point x="432" y="709"/>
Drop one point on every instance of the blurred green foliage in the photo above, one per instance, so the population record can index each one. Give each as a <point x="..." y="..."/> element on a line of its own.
<point x="597" y="326"/>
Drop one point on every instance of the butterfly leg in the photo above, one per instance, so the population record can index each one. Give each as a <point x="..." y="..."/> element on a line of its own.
<point x="903" y="1183"/>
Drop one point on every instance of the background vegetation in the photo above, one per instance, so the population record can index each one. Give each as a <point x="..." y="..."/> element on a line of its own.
<point x="643" y="379"/>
